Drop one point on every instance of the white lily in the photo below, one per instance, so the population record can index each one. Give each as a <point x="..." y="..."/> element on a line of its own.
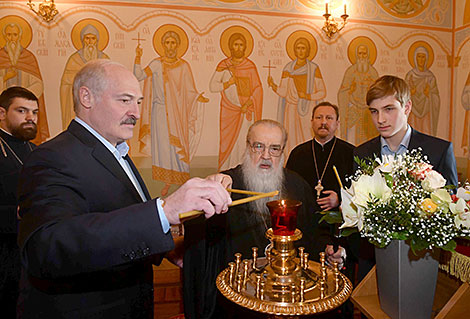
<point x="352" y="214"/>
<point x="462" y="213"/>
<point x="464" y="193"/>
<point x="368" y="187"/>
<point x="386" y="164"/>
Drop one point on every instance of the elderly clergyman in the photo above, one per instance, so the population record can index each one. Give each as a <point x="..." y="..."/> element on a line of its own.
<point x="211" y="245"/>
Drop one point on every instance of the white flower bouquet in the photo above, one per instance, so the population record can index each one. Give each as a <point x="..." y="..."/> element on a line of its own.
<point x="403" y="198"/>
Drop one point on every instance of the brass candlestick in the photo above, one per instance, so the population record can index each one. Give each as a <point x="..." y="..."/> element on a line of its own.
<point x="285" y="283"/>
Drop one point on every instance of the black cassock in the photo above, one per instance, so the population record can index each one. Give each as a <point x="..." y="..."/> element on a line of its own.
<point x="301" y="161"/>
<point x="9" y="252"/>
<point x="211" y="244"/>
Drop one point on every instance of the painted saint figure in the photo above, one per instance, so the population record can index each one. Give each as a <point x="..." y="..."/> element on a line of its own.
<point x="90" y="50"/>
<point x="300" y="88"/>
<point x="171" y="108"/>
<point x="19" y="67"/>
<point x="423" y="87"/>
<point x="237" y="80"/>
<point x="357" y="126"/>
<point x="465" y="99"/>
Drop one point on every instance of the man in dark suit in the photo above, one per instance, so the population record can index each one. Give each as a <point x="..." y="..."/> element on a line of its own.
<point x="18" y="126"/>
<point x="90" y="232"/>
<point x="390" y="105"/>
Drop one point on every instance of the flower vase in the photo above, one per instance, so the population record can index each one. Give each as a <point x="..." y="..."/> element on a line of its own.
<point x="406" y="282"/>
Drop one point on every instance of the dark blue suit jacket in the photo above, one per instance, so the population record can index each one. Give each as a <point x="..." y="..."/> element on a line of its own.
<point x="441" y="156"/>
<point x="88" y="241"/>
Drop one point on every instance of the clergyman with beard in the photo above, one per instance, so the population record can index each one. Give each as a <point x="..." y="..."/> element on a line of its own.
<point x="209" y="246"/>
<point x="18" y="125"/>
<point x="315" y="159"/>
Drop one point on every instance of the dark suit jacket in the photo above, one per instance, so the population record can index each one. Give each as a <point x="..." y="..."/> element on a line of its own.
<point x="440" y="153"/>
<point x="87" y="239"/>
<point x="441" y="156"/>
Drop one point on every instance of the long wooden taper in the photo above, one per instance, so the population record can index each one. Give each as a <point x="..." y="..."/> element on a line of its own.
<point x="194" y="213"/>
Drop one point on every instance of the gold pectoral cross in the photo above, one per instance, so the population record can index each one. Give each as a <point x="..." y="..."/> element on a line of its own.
<point x="319" y="188"/>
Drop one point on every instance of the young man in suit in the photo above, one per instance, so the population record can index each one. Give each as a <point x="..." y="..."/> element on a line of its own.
<point x="390" y="105"/>
<point x="90" y="232"/>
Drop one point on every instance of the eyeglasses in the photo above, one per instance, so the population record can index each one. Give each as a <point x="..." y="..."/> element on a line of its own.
<point x="274" y="150"/>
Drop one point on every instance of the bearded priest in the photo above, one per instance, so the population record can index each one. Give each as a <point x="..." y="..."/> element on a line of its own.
<point x="210" y="245"/>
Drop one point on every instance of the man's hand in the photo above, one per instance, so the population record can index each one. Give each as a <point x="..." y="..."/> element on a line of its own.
<point x="205" y="195"/>
<point x="338" y="256"/>
<point x="223" y="179"/>
<point x="329" y="202"/>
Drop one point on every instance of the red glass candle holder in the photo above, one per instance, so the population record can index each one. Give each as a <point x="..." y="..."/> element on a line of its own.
<point x="284" y="216"/>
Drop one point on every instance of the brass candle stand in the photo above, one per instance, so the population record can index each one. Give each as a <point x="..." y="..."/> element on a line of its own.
<point x="283" y="284"/>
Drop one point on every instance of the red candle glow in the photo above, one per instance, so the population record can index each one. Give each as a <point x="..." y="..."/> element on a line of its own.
<point x="284" y="216"/>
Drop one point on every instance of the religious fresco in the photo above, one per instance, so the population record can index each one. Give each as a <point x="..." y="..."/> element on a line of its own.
<point x="465" y="100"/>
<point x="171" y="107"/>
<point x="356" y="122"/>
<point x="301" y="87"/>
<point x="271" y="86"/>
<point x="466" y="14"/>
<point x="89" y="37"/>
<point x="236" y="79"/>
<point x="424" y="115"/>
<point x="404" y="8"/>
<point x="19" y="66"/>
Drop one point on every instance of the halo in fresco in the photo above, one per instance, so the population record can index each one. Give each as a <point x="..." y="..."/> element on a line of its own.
<point x="157" y="39"/>
<point x="362" y="40"/>
<point x="228" y="33"/>
<point x="77" y="28"/>
<point x="301" y="34"/>
<point x="412" y="49"/>
<point x="404" y="8"/>
<point x="25" y="26"/>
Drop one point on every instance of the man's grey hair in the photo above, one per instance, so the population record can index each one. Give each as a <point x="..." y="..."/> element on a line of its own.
<point x="93" y="75"/>
<point x="270" y="123"/>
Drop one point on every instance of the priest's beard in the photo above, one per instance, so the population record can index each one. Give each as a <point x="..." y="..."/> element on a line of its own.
<point x="90" y="52"/>
<point x="24" y="133"/>
<point x="13" y="49"/>
<point x="362" y="65"/>
<point x="262" y="180"/>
